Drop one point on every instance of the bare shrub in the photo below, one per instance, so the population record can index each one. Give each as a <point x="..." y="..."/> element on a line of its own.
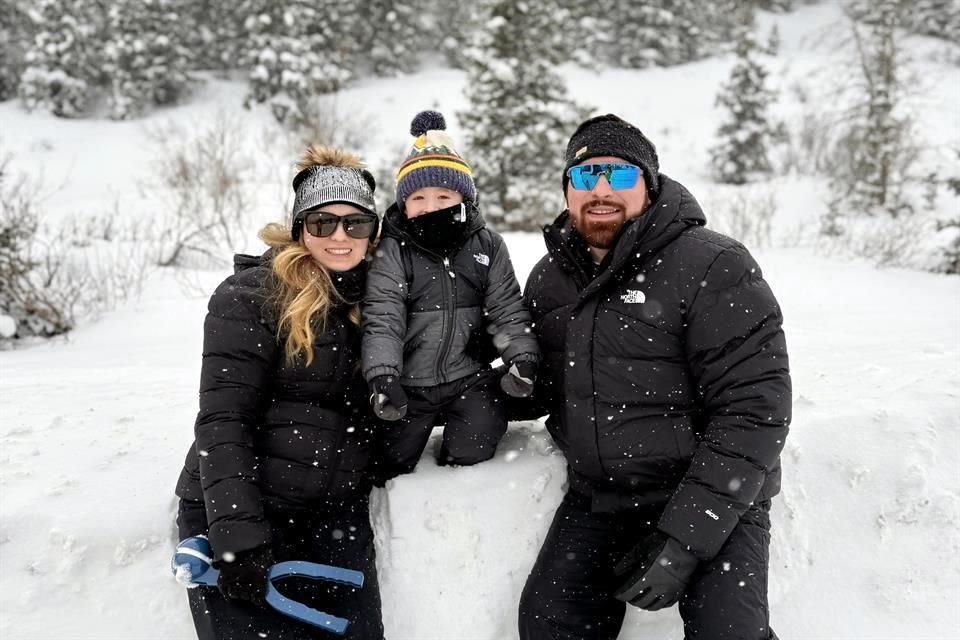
<point x="201" y="190"/>
<point x="322" y="120"/>
<point x="51" y="276"/>
<point x="883" y="240"/>
<point x="808" y="143"/>
<point x="744" y="213"/>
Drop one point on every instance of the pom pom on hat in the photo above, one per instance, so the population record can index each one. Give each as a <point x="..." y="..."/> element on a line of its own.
<point x="433" y="161"/>
<point x="426" y="121"/>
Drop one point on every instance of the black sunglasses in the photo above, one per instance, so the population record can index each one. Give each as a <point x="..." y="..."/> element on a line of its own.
<point x="321" y="224"/>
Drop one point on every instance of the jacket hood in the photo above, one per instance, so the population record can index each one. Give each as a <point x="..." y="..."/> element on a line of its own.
<point x="243" y="261"/>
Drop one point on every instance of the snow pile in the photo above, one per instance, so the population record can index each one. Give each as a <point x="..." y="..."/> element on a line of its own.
<point x="94" y="426"/>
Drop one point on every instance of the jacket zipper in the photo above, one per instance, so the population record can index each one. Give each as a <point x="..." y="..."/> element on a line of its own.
<point x="449" y="318"/>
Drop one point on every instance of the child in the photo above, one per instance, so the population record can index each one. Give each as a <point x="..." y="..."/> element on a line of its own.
<point x="440" y="289"/>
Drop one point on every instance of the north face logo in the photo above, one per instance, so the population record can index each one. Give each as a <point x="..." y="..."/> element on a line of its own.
<point x="482" y="258"/>
<point x="633" y="296"/>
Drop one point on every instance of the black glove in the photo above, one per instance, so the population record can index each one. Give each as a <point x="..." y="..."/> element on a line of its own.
<point x="519" y="378"/>
<point x="246" y="577"/>
<point x="655" y="573"/>
<point x="387" y="397"/>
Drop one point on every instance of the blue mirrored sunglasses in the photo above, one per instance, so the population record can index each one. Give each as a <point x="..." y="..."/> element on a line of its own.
<point x="619" y="176"/>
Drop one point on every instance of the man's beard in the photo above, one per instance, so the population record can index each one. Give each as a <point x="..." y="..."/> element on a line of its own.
<point x="601" y="234"/>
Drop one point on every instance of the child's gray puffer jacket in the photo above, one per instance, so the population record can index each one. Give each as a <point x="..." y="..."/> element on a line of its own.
<point x="438" y="297"/>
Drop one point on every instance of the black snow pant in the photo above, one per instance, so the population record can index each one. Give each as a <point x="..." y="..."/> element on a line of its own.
<point x="569" y="593"/>
<point x="473" y="411"/>
<point x="344" y="539"/>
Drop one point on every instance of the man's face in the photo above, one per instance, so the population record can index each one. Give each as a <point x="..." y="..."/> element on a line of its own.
<point x="600" y="213"/>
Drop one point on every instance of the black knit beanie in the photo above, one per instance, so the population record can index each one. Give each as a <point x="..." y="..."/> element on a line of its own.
<point x="610" y="135"/>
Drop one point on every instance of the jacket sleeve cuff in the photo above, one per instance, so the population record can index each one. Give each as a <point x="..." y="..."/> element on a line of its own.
<point x="381" y="370"/>
<point x="524" y="357"/>
<point x="699" y="519"/>
<point x="237" y="536"/>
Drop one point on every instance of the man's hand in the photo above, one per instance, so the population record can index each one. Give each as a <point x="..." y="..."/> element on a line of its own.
<point x="519" y="378"/>
<point x="655" y="573"/>
<point x="245" y="578"/>
<point x="387" y="397"/>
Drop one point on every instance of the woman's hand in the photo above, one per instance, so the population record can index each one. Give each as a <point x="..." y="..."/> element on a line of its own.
<point x="246" y="577"/>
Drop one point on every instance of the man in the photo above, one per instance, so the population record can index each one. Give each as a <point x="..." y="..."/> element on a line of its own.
<point x="666" y="381"/>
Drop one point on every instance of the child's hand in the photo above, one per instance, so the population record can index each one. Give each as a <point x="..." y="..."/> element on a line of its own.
<point x="387" y="397"/>
<point x="519" y="378"/>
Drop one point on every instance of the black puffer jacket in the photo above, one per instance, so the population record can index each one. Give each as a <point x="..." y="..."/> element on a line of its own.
<point x="430" y="316"/>
<point x="666" y="375"/>
<point x="267" y="433"/>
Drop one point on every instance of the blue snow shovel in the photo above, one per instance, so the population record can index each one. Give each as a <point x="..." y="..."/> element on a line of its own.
<point x="195" y="553"/>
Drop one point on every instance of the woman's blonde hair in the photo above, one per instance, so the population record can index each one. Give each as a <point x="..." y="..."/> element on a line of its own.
<point x="303" y="292"/>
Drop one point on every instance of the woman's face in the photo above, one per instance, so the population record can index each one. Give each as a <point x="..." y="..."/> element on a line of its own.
<point x="337" y="251"/>
<point x="429" y="199"/>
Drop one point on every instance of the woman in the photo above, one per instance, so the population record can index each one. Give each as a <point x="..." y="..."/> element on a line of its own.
<point x="280" y="468"/>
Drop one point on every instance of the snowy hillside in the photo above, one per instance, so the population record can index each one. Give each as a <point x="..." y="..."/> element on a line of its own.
<point x="94" y="426"/>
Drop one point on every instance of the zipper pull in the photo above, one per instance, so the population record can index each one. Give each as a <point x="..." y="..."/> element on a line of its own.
<point x="446" y="265"/>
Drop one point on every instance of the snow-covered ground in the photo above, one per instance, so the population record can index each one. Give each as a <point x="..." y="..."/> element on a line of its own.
<point x="93" y="427"/>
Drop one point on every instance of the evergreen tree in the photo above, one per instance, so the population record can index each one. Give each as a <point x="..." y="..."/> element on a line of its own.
<point x="457" y="23"/>
<point x="519" y="115"/>
<point x="746" y="135"/>
<point x="593" y="32"/>
<point x="298" y="49"/>
<point x="637" y="35"/>
<point x="145" y="56"/>
<point x="713" y="26"/>
<point x="13" y="44"/>
<point x="62" y="70"/>
<point x="775" y="6"/>
<point x="651" y="35"/>
<point x="937" y="18"/>
<point x="878" y="136"/>
<point x="216" y="34"/>
<point x="950" y="260"/>
<point x="390" y="37"/>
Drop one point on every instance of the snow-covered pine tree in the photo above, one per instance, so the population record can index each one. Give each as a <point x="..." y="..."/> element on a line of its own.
<point x="519" y="115"/>
<point x="390" y="35"/>
<point x="456" y="23"/>
<point x="593" y="32"/>
<point x="637" y="35"/>
<point x="775" y="6"/>
<point x="13" y="44"/>
<point x="712" y="26"/>
<point x="649" y="34"/>
<point x="878" y="137"/>
<point x="950" y="260"/>
<point x="937" y="18"/>
<point x="216" y="35"/>
<point x="145" y="56"/>
<point x="298" y="49"/>
<point x="746" y="134"/>
<point x="61" y="68"/>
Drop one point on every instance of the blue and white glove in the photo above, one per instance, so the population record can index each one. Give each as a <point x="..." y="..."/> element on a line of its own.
<point x="191" y="560"/>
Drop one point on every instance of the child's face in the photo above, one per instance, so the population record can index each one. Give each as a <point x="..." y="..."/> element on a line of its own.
<point x="429" y="199"/>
